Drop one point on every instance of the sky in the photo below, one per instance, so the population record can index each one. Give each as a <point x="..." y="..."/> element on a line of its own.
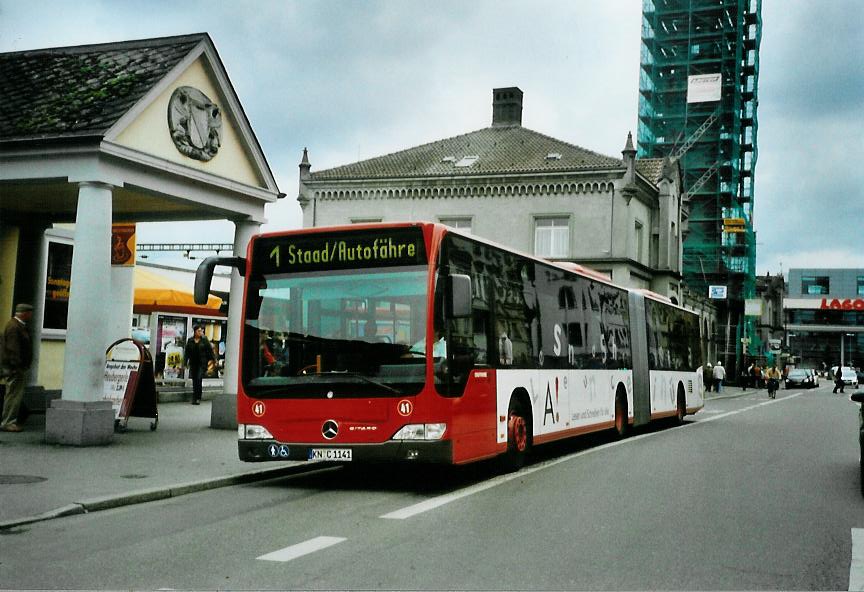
<point x="351" y="80"/>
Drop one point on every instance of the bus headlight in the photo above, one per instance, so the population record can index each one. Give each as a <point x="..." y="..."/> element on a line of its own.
<point x="421" y="431"/>
<point x="250" y="431"/>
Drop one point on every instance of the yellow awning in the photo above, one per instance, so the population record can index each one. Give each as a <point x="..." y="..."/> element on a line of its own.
<point x="157" y="292"/>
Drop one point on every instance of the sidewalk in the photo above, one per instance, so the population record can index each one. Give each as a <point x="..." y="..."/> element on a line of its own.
<point x="39" y="481"/>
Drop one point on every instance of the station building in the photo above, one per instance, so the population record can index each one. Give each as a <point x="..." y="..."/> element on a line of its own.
<point x="623" y="217"/>
<point x="824" y="317"/>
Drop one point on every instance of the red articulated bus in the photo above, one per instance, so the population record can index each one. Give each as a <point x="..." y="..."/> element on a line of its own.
<point x="414" y="342"/>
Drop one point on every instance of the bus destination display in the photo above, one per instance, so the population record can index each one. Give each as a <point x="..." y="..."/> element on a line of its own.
<point x="347" y="250"/>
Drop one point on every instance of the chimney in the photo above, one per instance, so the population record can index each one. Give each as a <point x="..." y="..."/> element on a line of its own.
<point x="506" y="106"/>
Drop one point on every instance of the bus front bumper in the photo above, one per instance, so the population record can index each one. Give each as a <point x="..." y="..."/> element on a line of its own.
<point x="439" y="451"/>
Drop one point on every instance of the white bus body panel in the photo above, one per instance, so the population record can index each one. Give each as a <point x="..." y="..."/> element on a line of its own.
<point x="562" y="399"/>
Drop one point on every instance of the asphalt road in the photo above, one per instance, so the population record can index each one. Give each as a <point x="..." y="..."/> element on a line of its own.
<point x="749" y="494"/>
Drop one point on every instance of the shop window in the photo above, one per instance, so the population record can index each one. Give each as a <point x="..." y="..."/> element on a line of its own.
<point x="815" y="284"/>
<point x="552" y="236"/>
<point x="57" y="284"/>
<point x="860" y="288"/>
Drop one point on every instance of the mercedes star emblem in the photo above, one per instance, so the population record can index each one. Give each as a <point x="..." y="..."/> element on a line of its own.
<point x="330" y="429"/>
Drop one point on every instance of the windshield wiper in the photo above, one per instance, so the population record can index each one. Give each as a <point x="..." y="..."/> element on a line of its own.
<point x="362" y="377"/>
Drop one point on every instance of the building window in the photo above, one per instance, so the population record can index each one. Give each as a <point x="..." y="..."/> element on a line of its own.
<point x="815" y="284"/>
<point x="463" y="223"/>
<point x="860" y="290"/>
<point x="640" y="237"/>
<point x="552" y="236"/>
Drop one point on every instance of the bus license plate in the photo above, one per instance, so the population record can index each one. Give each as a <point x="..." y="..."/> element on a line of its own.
<point x="334" y="454"/>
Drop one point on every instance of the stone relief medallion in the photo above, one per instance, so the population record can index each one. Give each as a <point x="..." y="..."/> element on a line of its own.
<point x="195" y="123"/>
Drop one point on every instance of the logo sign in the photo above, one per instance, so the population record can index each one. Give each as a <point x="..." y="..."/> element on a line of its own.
<point x="330" y="429"/>
<point x="258" y="408"/>
<point x="405" y="408"/>
<point x="123" y="244"/>
<point x="717" y="292"/>
<point x="847" y="304"/>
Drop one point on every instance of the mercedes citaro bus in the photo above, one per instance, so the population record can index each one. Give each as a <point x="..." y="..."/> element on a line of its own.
<point x="416" y="342"/>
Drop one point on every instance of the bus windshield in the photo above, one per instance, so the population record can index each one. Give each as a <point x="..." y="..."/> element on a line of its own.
<point x="343" y="333"/>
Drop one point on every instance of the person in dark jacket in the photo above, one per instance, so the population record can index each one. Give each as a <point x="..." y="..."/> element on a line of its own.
<point x="198" y="354"/>
<point x="838" y="379"/>
<point x="17" y="357"/>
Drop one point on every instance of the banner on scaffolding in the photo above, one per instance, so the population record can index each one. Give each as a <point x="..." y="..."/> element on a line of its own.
<point x="717" y="292"/>
<point x="703" y="88"/>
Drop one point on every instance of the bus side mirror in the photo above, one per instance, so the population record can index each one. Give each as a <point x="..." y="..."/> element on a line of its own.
<point x="460" y="296"/>
<point x="858" y="397"/>
<point x="204" y="274"/>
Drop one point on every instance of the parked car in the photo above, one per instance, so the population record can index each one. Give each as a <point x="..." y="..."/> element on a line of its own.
<point x="859" y="398"/>
<point x="850" y="378"/>
<point x="799" y="377"/>
<point x="848" y="375"/>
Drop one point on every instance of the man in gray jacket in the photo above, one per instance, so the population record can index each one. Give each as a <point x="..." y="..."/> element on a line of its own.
<point x="17" y="357"/>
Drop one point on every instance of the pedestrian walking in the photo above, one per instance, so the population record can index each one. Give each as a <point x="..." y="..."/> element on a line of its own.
<point x="719" y="376"/>
<point x="838" y="379"/>
<point x="17" y="357"/>
<point x="708" y="377"/>
<point x="198" y="354"/>
<point x="756" y="376"/>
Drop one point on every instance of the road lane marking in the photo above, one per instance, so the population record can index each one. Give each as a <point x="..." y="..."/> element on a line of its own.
<point x="441" y="500"/>
<point x="856" y="568"/>
<point x="743" y="409"/>
<point x="301" y="549"/>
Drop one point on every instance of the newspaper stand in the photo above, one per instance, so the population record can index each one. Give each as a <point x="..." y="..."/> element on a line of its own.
<point x="129" y="383"/>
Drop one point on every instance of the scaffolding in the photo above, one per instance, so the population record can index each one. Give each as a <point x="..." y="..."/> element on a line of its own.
<point x="713" y="135"/>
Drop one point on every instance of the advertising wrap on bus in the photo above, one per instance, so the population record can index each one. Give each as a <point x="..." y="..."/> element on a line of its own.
<point x="415" y="342"/>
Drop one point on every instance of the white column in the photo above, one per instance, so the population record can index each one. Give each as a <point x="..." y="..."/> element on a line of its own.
<point x="120" y="303"/>
<point x="224" y="410"/>
<point x="84" y="366"/>
<point x="81" y="417"/>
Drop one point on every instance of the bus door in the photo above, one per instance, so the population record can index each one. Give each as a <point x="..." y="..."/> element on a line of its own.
<point x="639" y="343"/>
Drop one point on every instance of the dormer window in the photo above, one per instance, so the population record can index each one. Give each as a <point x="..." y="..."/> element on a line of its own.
<point x="553" y="156"/>
<point x="466" y="161"/>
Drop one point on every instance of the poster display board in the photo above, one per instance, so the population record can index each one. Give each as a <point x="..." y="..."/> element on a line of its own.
<point x="129" y="383"/>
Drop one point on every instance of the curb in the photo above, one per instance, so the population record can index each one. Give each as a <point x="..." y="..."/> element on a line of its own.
<point x="108" y="502"/>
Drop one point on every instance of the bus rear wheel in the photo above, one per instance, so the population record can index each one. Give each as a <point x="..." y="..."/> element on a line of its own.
<point x="518" y="437"/>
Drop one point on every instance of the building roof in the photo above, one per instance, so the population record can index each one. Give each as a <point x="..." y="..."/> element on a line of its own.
<point x="509" y="149"/>
<point x="84" y="90"/>
<point x="650" y="168"/>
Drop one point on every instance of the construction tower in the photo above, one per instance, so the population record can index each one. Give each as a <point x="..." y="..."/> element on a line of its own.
<point x="697" y="102"/>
